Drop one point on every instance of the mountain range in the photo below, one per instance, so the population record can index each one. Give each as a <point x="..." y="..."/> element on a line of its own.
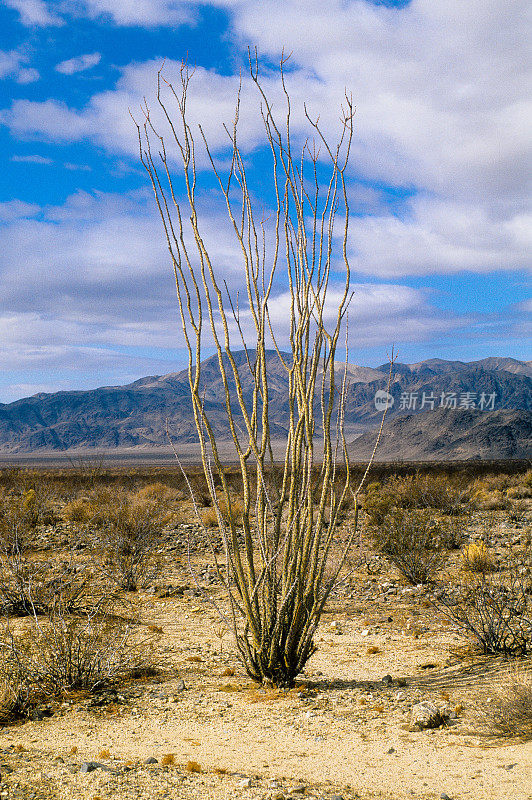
<point x="445" y="409"/>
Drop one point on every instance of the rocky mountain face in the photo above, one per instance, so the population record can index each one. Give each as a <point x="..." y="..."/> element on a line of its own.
<point x="136" y="415"/>
<point x="450" y="434"/>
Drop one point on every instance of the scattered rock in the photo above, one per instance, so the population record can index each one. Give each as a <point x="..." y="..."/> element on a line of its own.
<point x="245" y="783"/>
<point x="426" y="715"/>
<point x="388" y="680"/>
<point x="151" y="760"/>
<point x="90" y="766"/>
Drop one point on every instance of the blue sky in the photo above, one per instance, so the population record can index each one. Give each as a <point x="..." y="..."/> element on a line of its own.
<point x="440" y="228"/>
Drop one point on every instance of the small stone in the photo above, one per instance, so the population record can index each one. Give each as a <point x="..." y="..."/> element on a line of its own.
<point x="365" y="632"/>
<point x="444" y="796"/>
<point x="426" y="715"/>
<point x="391" y="750"/>
<point x="245" y="783"/>
<point x="151" y="760"/>
<point x="180" y="686"/>
<point x="90" y="766"/>
<point x="388" y="680"/>
<point x="300" y="789"/>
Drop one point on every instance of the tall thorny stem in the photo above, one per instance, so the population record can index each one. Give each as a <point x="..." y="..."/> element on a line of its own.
<point x="279" y="569"/>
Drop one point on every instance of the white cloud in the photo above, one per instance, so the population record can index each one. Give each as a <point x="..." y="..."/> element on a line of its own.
<point x="79" y="63"/>
<point x="34" y="13"/>
<point x="51" y="120"/>
<point x="438" y="237"/>
<point x="77" y="167"/>
<point x="32" y="159"/>
<point x="12" y="65"/>
<point x="441" y="88"/>
<point x="144" y="13"/>
<point x="17" y="209"/>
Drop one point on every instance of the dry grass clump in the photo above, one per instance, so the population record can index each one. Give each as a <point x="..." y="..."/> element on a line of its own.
<point x="78" y="510"/>
<point x="127" y="542"/>
<point x="232" y="510"/>
<point x="509" y="713"/>
<point x="158" y="492"/>
<point x="477" y="558"/>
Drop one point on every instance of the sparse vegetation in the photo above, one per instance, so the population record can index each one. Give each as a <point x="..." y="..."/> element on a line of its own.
<point x="477" y="558"/>
<point x="412" y="540"/>
<point x="509" y="712"/>
<point x="62" y="652"/>
<point x="495" y="608"/>
<point x="127" y="540"/>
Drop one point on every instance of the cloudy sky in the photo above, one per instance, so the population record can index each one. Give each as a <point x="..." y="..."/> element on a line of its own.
<point x="440" y="229"/>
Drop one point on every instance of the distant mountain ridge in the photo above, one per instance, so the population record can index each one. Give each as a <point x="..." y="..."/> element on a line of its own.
<point x="136" y="415"/>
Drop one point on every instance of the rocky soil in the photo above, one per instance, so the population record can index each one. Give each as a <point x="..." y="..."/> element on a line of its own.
<point x="351" y="728"/>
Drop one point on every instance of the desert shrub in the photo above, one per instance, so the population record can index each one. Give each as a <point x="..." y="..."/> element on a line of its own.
<point x="493" y="483"/>
<point x="425" y="491"/>
<point x="518" y="511"/>
<point x="231" y="511"/>
<point x="28" y="583"/>
<point x="494" y="608"/>
<point x="520" y="492"/>
<point x="158" y="492"/>
<point x="127" y="541"/>
<point x="477" y="558"/>
<point x="527" y="479"/>
<point x="412" y="541"/>
<point x="209" y="517"/>
<point x="30" y="506"/>
<point x="61" y="652"/>
<point x="377" y="504"/>
<point x="78" y="510"/>
<point x="413" y="492"/>
<point x="510" y="711"/>
<point x="491" y="500"/>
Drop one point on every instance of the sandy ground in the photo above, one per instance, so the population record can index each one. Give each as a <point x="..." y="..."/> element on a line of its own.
<point x="342" y="732"/>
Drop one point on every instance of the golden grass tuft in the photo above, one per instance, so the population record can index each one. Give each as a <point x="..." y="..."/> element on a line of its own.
<point x="168" y="760"/>
<point x="193" y="766"/>
<point x="104" y="753"/>
<point x="477" y="558"/>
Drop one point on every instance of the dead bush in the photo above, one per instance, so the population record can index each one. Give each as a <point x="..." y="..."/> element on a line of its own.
<point x="29" y="583"/>
<point x="61" y="652"/>
<point x="494" y="608"/>
<point x="412" y="541"/>
<point x="509" y="713"/>
<point x="127" y="541"/>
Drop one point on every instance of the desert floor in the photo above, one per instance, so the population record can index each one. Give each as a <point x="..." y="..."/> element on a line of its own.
<point x="341" y="732"/>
